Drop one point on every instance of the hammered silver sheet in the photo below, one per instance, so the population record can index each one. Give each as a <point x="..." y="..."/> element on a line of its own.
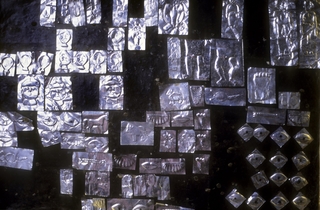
<point x="116" y="38"/>
<point x="182" y="118"/>
<point x="137" y="133"/>
<point x="8" y="138"/>
<point x="197" y="95"/>
<point x="120" y="13"/>
<point x="186" y="141"/>
<point x="203" y="141"/>
<point x="202" y="119"/>
<point x="63" y="11"/>
<point x="298" y="118"/>
<point x="158" y="118"/>
<point x="93" y="204"/>
<point x="48" y="13"/>
<point x="66" y="181"/>
<point x="125" y="161"/>
<point x="232" y="19"/>
<point x="174" y="96"/>
<point x="77" y="13"/>
<point x="174" y="57"/>
<point x="173" y="166"/>
<point x="151" y="12"/>
<point x="95" y="122"/>
<point x="81" y="62"/>
<point x="126" y="203"/>
<point x="7" y="64"/>
<point x="96" y="144"/>
<point x="266" y="115"/>
<point x="92" y="161"/>
<point x="73" y="141"/>
<point x="64" y="39"/>
<point x="16" y="158"/>
<point x="225" y="96"/>
<point x="111" y="93"/>
<point x="59" y="121"/>
<point x="139" y="185"/>
<point x="126" y="186"/>
<point x="44" y="63"/>
<point x="26" y="62"/>
<point x="150" y="165"/>
<point x="201" y="164"/>
<point x="98" y="61"/>
<point x="93" y="11"/>
<point x="97" y="183"/>
<point x="114" y="61"/>
<point x="163" y="206"/>
<point x="49" y="138"/>
<point x="64" y="61"/>
<point x="136" y="34"/>
<point x="289" y="100"/>
<point x="168" y="141"/>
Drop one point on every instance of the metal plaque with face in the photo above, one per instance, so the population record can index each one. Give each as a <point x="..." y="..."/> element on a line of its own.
<point x="182" y="119"/>
<point x="66" y="181"/>
<point x="186" y="141"/>
<point x="125" y="161"/>
<point x="30" y="92"/>
<point x="202" y="119"/>
<point x="120" y="13"/>
<point x="197" y="95"/>
<point x="72" y="141"/>
<point x="115" y="61"/>
<point x="136" y="34"/>
<point x="98" y="61"/>
<point x="97" y="183"/>
<point x="7" y="64"/>
<point x="137" y="133"/>
<point x="92" y="161"/>
<point x="64" y="61"/>
<point x="173" y="17"/>
<point x="168" y="141"/>
<point x="266" y="115"/>
<point x="289" y="100"/>
<point x="225" y="96"/>
<point x="48" y="13"/>
<point x="116" y="38"/>
<point x="81" y="62"/>
<point x="44" y="63"/>
<point x="16" y="158"/>
<point x="26" y="62"/>
<point x="150" y="165"/>
<point x="232" y="19"/>
<point x="111" y="92"/>
<point x="158" y="118"/>
<point x="173" y="166"/>
<point x="64" y="39"/>
<point x="174" y="96"/>
<point x="298" y="118"/>
<point x="151" y="12"/>
<point x="93" y="11"/>
<point x="95" y="122"/>
<point x="163" y="206"/>
<point x="201" y="164"/>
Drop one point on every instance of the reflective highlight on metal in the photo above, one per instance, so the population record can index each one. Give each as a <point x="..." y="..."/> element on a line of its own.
<point x="139" y="185"/>
<point x="64" y="61"/>
<point x="59" y="121"/>
<point x="163" y="206"/>
<point x="126" y="186"/>
<point x="111" y="92"/>
<point x="174" y="57"/>
<point x="98" y="61"/>
<point x="255" y="158"/>
<point x="186" y="141"/>
<point x="301" y="201"/>
<point x="182" y="119"/>
<point x="63" y="11"/>
<point x="77" y="13"/>
<point x="201" y="164"/>
<point x="235" y="198"/>
<point x="168" y="141"/>
<point x="225" y="96"/>
<point x="115" y="63"/>
<point x="255" y="201"/>
<point x="16" y="158"/>
<point x="150" y="165"/>
<point x="58" y="93"/>
<point x="48" y="13"/>
<point x="20" y="122"/>
<point x="289" y="100"/>
<point x="260" y="132"/>
<point x="245" y="132"/>
<point x="66" y="181"/>
<point x="72" y="141"/>
<point x="279" y="201"/>
<point x="280" y="136"/>
<point x="96" y="144"/>
<point x="196" y="95"/>
<point x="151" y="185"/>
<point x="95" y="122"/>
<point x="7" y="64"/>
<point x="126" y="203"/>
<point x="298" y="118"/>
<point x="64" y="39"/>
<point x="261" y="85"/>
<point x="97" y="183"/>
<point x="158" y="118"/>
<point x="303" y="138"/>
<point x="30" y="92"/>
<point x="81" y="62"/>
<point x="203" y="140"/>
<point x="93" y="203"/>
<point x="136" y="34"/>
<point x="92" y="161"/>
<point x="26" y="62"/>
<point x="120" y="13"/>
<point x="232" y="19"/>
<point x="93" y="11"/>
<point x="298" y="181"/>
<point x="266" y="115"/>
<point x="278" y="178"/>
<point x="44" y="63"/>
<point x="259" y="179"/>
<point x="151" y="12"/>
<point x="176" y="166"/>
<point x="174" y="96"/>
<point x="278" y="160"/>
<point x="300" y="160"/>
<point x="136" y="133"/>
<point x="164" y="188"/>
<point x="125" y="161"/>
<point x="116" y="38"/>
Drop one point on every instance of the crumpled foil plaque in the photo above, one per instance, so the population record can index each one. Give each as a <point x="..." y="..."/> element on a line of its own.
<point x="232" y="19"/>
<point x="151" y="185"/>
<point x="163" y="192"/>
<point x="66" y="181"/>
<point x="139" y="185"/>
<point x="92" y="161"/>
<point x="225" y="96"/>
<point x="80" y="62"/>
<point x="7" y="64"/>
<point x="64" y="39"/>
<point x="64" y="61"/>
<point x="136" y="34"/>
<point x="30" y="92"/>
<point x="59" y="121"/>
<point x="174" y="96"/>
<point x="150" y="165"/>
<point x="127" y="186"/>
<point x="151" y="12"/>
<point x="77" y="13"/>
<point x="26" y="62"/>
<point x="261" y="85"/>
<point x="13" y="121"/>
<point x="114" y="61"/>
<point x="298" y="118"/>
<point x="16" y="158"/>
<point x="97" y="183"/>
<point x="227" y="63"/>
<point x="120" y="13"/>
<point x="116" y="39"/>
<point x="173" y="166"/>
<point x="96" y="144"/>
<point x="201" y="164"/>
<point x="125" y="161"/>
<point x="197" y="95"/>
<point x="93" y="11"/>
<point x="158" y="118"/>
<point x="44" y="63"/>
<point x="173" y="17"/>
<point x="266" y="115"/>
<point x="289" y="100"/>
<point x="48" y="13"/>
<point x="49" y="138"/>
<point x="126" y="203"/>
<point x="72" y="141"/>
<point x="58" y="93"/>
<point x="111" y="92"/>
<point x="63" y="11"/>
<point x="93" y="203"/>
<point x="182" y="118"/>
<point x="98" y="61"/>
<point x="95" y="122"/>
<point x="137" y="133"/>
<point x="186" y="141"/>
<point x="168" y="141"/>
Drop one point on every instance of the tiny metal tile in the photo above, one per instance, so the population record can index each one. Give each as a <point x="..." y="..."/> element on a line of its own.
<point x="197" y="95"/>
<point x="278" y="160"/>
<point x="115" y="61"/>
<point x="245" y="132"/>
<point x="255" y="201"/>
<point x="8" y="64"/>
<point x="301" y="201"/>
<point x="95" y="122"/>
<point x="139" y="185"/>
<point x="20" y="122"/>
<point x="261" y="85"/>
<point x="260" y="132"/>
<point x="186" y="141"/>
<point x="150" y="165"/>
<point x="49" y="121"/>
<point x="72" y="141"/>
<point x="151" y="12"/>
<point x="126" y="186"/>
<point x="298" y="118"/>
<point x="111" y="92"/>
<point x="266" y="115"/>
<point x="64" y="39"/>
<point x="64" y="61"/>
<point x="77" y="13"/>
<point x="93" y="11"/>
<point x="259" y="179"/>
<point x="81" y="62"/>
<point x="30" y="92"/>
<point x="278" y="178"/>
<point x="58" y="93"/>
<point x="8" y="138"/>
<point x="201" y="164"/>
<point x="163" y="206"/>
<point x="120" y="13"/>
<point x="125" y="161"/>
<point x="203" y="140"/>
<point x="174" y="57"/>
<point x="136" y="34"/>
<point x="26" y="62"/>
<point x="303" y="138"/>
<point x="70" y="121"/>
<point x="48" y="13"/>
<point x="289" y="100"/>
<point x="163" y="188"/>
<point x="16" y="158"/>
<point x="174" y="96"/>
<point x="49" y="138"/>
<point x="168" y="141"/>
<point x="158" y="118"/>
<point x="225" y="96"/>
<point x="175" y="166"/>
<point x="129" y="203"/>
<point x="235" y="198"/>
<point x="279" y="201"/>
<point x="300" y="160"/>
<point x="92" y="161"/>
<point x="182" y="118"/>
<point x="116" y="39"/>
<point x="63" y="12"/>
<point x="66" y="181"/>
<point x="232" y="19"/>
<point x="98" y="61"/>
<point x="151" y="185"/>
<point x="298" y="181"/>
<point x="44" y="63"/>
<point x="96" y="144"/>
<point x="202" y="119"/>
<point x="280" y="136"/>
<point x="137" y="133"/>
<point x="93" y="203"/>
<point x="255" y="158"/>
<point x="97" y="183"/>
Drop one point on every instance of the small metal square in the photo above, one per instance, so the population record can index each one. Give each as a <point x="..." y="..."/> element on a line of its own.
<point x="280" y="136"/>
<point x="259" y="179"/>
<point x="300" y="160"/>
<point x="245" y="132"/>
<point x="278" y="160"/>
<point x="255" y="158"/>
<point x="279" y="201"/>
<point x="235" y="198"/>
<point x="255" y="201"/>
<point x="303" y="138"/>
<point x="301" y="201"/>
<point x="186" y="141"/>
<point x="260" y="133"/>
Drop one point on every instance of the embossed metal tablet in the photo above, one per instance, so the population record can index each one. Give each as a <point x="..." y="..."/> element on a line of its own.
<point x="95" y="122"/>
<point x="116" y="39"/>
<point x="289" y="100"/>
<point x="8" y="138"/>
<point x="97" y="183"/>
<point x="92" y="161"/>
<point x="150" y="165"/>
<point x="163" y="206"/>
<point x="259" y="179"/>
<point x="111" y="92"/>
<point x="48" y="13"/>
<point x="255" y="201"/>
<point x="174" y="57"/>
<point x="280" y="136"/>
<point x="7" y="64"/>
<point x="186" y="141"/>
<point x="115" y="63"/>
<point x="93" y="11"/>
<point x="151" y="12"/>
<point x="201" y="164"/>
<point x="278" y="178"/>
<point x="66" y="181"/>
<point x="298" y="181"/>
<point x="158" y="118"/>
<point x="72" y="141"/>
<point x="97" y="144"/>
<point x="26" y="62"/>
<point x="174" y="96"/>
<point x="163" y="188"/>
<point x="278" y="160"/>
<point x="266" y="115"/>
<point x="81" y="62"/>
<point x="129" y="203"/>
<point x="7" y="123"/>
<point x="301" y="201"/>
<point x="202" y="119"/>
<point x="232" y="19"/>
<point x="298" y="118"/>
<point x="70" y="121"/>
<point x="196" y="95"/>
<point x="93" y="203"/>
<point x="98" y="61"/>
<point x="260" y="132"/>
<point x="127" y="186"/>
<point x="227" y="64"/>
<point x="120" y="13"/>
<point x="168" y="141"/>
<point x="16" y="158"/>
<point x="77" y="13"/>
<point x="225" y="96"/>
<point x="261" y="85"/>
<point x="20" y="122"/>
<point x="300" y="160"/>
<point x="303" y="138"/>
<point x="64" y="39"/>
<point x="44" y="63"/>
<point x="255" y="158"/>
<point x="139" y="185"/>
<point x="151" y="185"/>
<point x="30" y="92"/>
<point x="235" y="198"/>
<point x="136" y="34"/>
<point x="125" y="161"/>
<point x="173" y="17"/>
<point x="63" y="11"/>
<point x="48" y="121"/>
<point x="182" y="119"/>
<point x="49" y="138"/>
<point x="137" y="133"/>
<point x="64" y="61"/>
<point x="203" y="140"/>
<point x="173" y="166"/>
<point x="245" y="132"/>
<point x="279" y="201"/>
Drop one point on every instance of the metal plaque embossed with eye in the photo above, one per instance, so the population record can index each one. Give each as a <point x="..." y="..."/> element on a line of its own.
<point x="232" y="19"/>
<point x="13" y="121"/>
<point x="115" y="61"/>
<point x="173" y="166"/>
<point x="92" y="161"/>
<point x="72" y="141"/>
<point x="298" y="118"/>
<point x="97" y="183"/>
<point x="203" y="140"/>
<point x="93" y="11"/>
<point x="158" y="118"/>
<point x="111" y="93"/>
<point x="301" y="201"/>
<point x="66" y="181"/>
<point x="182" y="119"/>
<point x="280" y="136"/>
<point x="7" y="64"/>
<point x="168" y="141"/>
<point x="150" y="165"/>
<point x="266" y="115"/>
<point x="278" y="160"/>
<point x="139" y="185"/>
<point x="289" y="100"/>
<point x="137" y="133"/>
<point x="48" y="121"/>
<point x="225" y="96"/>
<point x="174" y="96"/>
<point x="303" y="138"/>
<point x="300" y="160"/>
<point x="116" y="39"/>
<point x="186" y="141"/>
<point x="26" y="62"/>
<point x="125" y="161"/>
<point x="259" y="179"/>
<point x="95" y="122"/>
<point x="255" y="201"/>
<point x="151" y="12"/>
<point x="98" y="61"/>
<point x="136" y="34"/>
<point x="279" y="201"/>
<point x="255" y="158"/>
<point x="298" y="181"/>
<point x="48" y="13"/>
<point x="260" y="133"/>
<point x="202" y="119"/>
<point x="278" y="178"/>
<point x="245" y="132"/>
<point x="235" y="198"/>
<point x="120" y="13"/>
<point x="200" y="164"/>
<point x="16" y="158"/>
<point x="127" y="186"/>
<point x="96" y="144"/>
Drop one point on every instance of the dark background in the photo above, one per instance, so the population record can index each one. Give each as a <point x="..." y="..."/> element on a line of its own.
<point x="143" y="72"/>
